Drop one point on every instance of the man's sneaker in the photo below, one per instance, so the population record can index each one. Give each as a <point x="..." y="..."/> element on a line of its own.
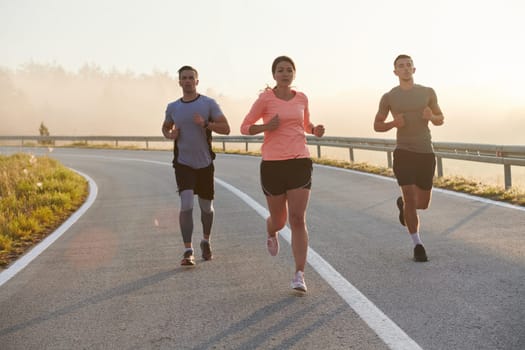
<point x="420" y="255"/>
<point x="272" y="243"/>
<point x="206" y="250"/>
<point x="400" y="205"/>
<point x="298" y="282"/>
<point x="188" y="259"/>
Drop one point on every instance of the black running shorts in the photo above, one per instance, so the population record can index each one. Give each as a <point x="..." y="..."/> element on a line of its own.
<point x="199" y="180"/>
<point x="412" y="168"/>
<point x="279" y="176"/>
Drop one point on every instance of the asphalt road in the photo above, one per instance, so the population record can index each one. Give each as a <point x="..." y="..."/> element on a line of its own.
<point x="112" y="279"/>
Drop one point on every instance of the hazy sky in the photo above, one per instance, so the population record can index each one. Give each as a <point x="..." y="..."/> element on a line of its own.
<point x="469" y="51"/>
<point x="337" y="45"/>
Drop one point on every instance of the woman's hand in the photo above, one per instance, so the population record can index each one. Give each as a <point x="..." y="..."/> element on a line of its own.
<point x="273" y="123"/>
<point x="318" y="130"/>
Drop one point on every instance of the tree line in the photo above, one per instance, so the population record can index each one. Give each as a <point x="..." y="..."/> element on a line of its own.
<point x="87" y="102"/>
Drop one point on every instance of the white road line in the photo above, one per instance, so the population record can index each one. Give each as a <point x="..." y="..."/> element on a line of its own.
<point x="393" y="336"/>
<point x="21" y="263"/>
<point x="434" y="189"/>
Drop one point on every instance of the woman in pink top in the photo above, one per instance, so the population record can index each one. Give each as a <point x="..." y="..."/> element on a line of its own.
<point x="286" y="167"/>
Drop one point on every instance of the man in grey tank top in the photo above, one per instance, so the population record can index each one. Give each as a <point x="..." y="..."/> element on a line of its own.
<point x="189" y="122"/>
<point x="412" y="107"/>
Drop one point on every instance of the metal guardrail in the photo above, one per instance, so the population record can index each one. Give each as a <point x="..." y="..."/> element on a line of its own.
<point x="484" y="153"/>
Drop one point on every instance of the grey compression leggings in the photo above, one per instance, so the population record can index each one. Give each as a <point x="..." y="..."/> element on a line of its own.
<point x="186" y="215"/>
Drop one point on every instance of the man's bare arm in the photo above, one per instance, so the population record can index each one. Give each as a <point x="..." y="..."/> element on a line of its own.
<point x="220" y="126"/>
<point x="381" y="125"/>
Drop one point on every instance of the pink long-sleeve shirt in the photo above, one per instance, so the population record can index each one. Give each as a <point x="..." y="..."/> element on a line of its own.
<point x="288" y="141"/>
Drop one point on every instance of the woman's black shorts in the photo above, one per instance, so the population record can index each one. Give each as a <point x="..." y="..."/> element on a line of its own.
<point x="279" y="176"/>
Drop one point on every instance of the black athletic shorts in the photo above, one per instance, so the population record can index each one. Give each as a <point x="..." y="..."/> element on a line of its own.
<point x="412" y="168"/>
<point x="279" y="176"/>
<point x="199" y="180"/>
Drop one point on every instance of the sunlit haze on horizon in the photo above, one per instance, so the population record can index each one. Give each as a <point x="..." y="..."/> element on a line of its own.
<point x="468" y="51"/>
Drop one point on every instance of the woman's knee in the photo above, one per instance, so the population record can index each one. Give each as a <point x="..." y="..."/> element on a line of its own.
<point x="276" y="223"/>
<point x="297" y="220"/>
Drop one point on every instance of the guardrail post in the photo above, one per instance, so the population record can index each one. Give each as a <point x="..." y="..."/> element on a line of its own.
<point x="351" y="154"/>
<point x="440" y="166"/>
<point x="319" y="151"/>
<point x="246" y="147"/>
<point x="508" y="176"/>
<point x="223" y="146"/>
<point x="389" y="158"/>
<point x="147" y="145"/>
<point x="116" y="143"/>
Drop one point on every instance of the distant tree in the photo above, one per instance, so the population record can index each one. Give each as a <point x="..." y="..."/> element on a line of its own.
<point x="91" y="71"/>
<point x="44" y="131"/>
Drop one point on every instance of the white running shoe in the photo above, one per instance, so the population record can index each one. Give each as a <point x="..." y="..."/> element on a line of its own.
<point x="298" y="282"/>
<point x="272" y="243"/>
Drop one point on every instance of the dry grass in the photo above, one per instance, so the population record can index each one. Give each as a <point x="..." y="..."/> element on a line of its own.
<point x="513" y="195"/>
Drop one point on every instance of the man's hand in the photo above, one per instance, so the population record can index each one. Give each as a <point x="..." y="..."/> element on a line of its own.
<point x="199" y="120"/>
<point x="427" y="113"/>
<point x="170" y="131"/>
<point x="399" y="120"/>
<point x="173" y="133"/>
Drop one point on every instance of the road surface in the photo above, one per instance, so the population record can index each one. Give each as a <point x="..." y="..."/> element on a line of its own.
<point x="112" y="279"/>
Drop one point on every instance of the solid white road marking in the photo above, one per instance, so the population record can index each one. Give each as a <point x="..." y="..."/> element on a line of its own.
<point x="21" y="263"/>
<point x="385" y="328"/>
<point x="434" y="189"/>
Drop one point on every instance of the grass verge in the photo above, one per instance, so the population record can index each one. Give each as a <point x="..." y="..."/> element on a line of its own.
<point x="36" y="195"/>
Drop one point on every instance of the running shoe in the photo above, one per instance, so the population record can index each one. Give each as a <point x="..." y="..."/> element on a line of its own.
<point x="420" y="255"/>
<point x="188" y="259"/>
<point x="272" y="243"/>
<point x="298" y="282"/>
<point x="206" y="250"/>
<point x="400" y="205"/>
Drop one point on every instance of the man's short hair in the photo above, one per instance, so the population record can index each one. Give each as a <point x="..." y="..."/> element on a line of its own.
<point x="401" y="57"/>
<point x="183" y="68"/>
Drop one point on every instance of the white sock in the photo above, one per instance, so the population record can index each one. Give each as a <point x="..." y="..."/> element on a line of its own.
<point x="188" y="249"/>
<point x="416" y="239"/>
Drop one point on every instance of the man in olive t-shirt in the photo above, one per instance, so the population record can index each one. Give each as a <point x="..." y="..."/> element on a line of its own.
<point x="412" y="107"/>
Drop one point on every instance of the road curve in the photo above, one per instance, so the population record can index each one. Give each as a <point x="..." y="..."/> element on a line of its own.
<point x="112" y="280"/>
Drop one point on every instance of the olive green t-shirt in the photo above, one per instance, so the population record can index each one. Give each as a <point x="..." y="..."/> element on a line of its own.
<point x="414" y="135"/>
